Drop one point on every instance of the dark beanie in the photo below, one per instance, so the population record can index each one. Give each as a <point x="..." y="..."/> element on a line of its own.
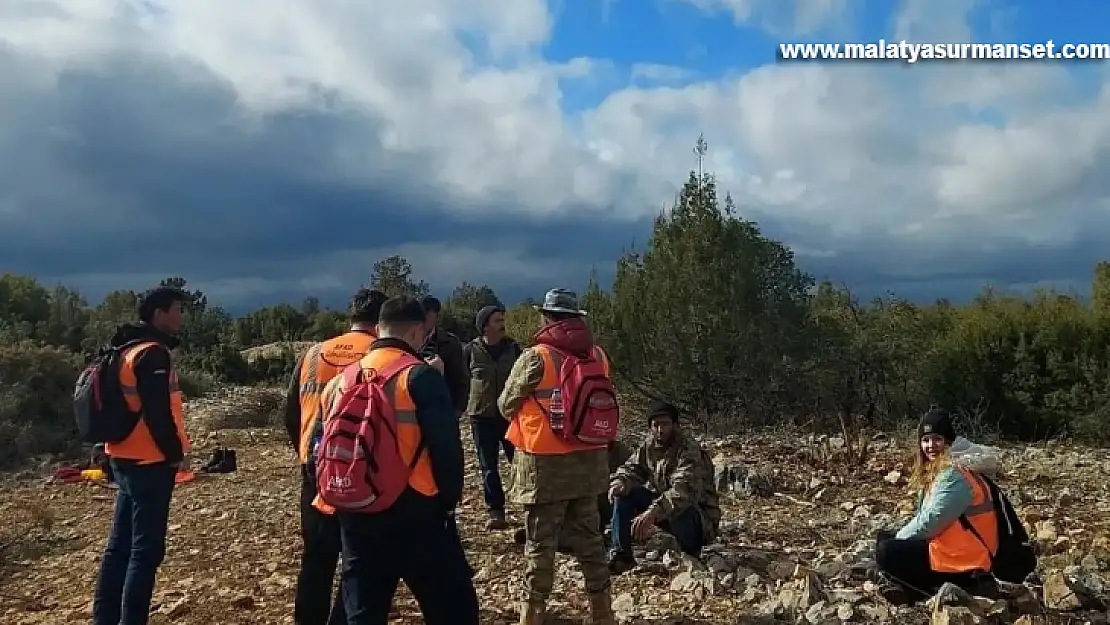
<point x="482" y="318"/>
<point x="659" y="408"/>
<point x="937" y="421"/>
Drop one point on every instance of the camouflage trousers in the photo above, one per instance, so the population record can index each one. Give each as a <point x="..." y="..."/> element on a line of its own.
<point x="577" y="522"/>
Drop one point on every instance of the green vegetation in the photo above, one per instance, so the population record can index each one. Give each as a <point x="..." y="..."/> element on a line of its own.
<point x="752" y="342"/>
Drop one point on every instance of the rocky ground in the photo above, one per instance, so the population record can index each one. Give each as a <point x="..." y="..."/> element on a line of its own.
<point x="799" y="512"/>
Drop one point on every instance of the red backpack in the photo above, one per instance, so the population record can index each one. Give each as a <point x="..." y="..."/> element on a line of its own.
<point x="584" y="406"/>
<point x="359" y="467"/>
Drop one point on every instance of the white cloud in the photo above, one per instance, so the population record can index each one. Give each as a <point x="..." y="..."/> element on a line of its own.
<point x="833" y="152"/>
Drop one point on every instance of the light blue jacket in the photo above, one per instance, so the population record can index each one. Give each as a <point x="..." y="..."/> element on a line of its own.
<point x="944" y="502"/>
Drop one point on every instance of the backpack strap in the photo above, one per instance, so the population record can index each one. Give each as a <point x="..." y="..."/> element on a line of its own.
<point x="391" y="371"/>
<point x="992" y="498"/>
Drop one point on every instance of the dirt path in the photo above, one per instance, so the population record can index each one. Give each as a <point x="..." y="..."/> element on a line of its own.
<point x="234" y="543"/>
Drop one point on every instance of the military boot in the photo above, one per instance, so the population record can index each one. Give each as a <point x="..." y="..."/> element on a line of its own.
<point x="532" y="614"/>
<point x="601" y="609"/>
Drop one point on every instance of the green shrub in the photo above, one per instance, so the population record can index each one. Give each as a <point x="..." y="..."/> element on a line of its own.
<point x="36" y="406"/>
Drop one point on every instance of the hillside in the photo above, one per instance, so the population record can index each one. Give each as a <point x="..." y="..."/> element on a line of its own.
<point x="785" y="552"/>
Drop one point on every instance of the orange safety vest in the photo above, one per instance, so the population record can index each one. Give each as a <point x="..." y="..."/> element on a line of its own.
<point x="956" y="549"/>
<point x="140" y="445"/>
<point x="322" y="362"/>
<point x="408" y="430"/>
<point x="530" y="430"/>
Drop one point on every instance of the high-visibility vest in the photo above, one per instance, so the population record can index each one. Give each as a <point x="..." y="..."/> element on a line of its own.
<point x="139" y="445"/>
<point x="408" y="430"/>
<point x="322" y="362"/>
<point x="958" y="550"/>
<point x="530" y="428"/>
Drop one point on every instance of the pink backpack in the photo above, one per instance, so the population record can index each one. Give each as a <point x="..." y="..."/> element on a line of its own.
<point x="589" y="399"/>
<point x="359" y="467"/>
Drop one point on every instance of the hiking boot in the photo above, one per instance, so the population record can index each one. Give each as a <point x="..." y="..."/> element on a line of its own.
<point x="496" y="520"/>
<point x="520" y="536"/>
<point x="214" y="461"/>
<point x="228" y="463"/>
<point x="893" y="592"/>
<point x="601" y="609"/>
<point x="621" y="562"/>
<point x="532" y="614"/>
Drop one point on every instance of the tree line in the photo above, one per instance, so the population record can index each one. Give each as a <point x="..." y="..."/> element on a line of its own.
<point x="711" y="315"/>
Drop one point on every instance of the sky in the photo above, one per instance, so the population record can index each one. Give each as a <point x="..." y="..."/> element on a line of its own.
<point x="267" y="150"/>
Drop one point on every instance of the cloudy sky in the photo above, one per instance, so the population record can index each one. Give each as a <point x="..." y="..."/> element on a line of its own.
<point x="271" y="149"/>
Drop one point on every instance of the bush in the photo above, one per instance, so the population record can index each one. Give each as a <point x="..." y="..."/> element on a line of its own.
<point x="36" y="406"/>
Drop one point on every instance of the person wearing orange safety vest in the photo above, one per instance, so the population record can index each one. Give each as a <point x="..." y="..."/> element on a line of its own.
<point x="556" y="480"/>
<point x="954" y="533"/>
<point x="145" y="463"/>
<point x="313" y="603"/>
<point x="413" y="540"/>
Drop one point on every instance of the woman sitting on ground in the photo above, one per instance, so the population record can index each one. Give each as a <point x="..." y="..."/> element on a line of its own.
<point x="953" y="535"/>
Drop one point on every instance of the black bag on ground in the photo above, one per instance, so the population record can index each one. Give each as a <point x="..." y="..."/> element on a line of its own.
<point x="99" y="408"/>
<point x="1015" y="558"/>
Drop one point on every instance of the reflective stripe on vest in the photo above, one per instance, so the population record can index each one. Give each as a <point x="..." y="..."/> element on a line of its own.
<point x="140" y="445"/>
<point x="322" y="362"/>
<point x="530" y="430"/>
<point x="956" y="549"/>
<point x="408" y="430"/>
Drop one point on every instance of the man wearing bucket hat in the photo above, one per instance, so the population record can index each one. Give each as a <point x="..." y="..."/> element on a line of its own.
<point x="556" y="479"/>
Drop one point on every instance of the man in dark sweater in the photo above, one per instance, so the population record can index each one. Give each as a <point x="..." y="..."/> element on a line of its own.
<point x="444" y="351"/>
<point x="489" y="359"/>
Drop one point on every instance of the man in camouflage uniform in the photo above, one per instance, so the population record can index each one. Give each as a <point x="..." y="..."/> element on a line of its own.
<point x="618" y="454"/>
<point x="666" y="485"/>
<point x="557" y="490"/>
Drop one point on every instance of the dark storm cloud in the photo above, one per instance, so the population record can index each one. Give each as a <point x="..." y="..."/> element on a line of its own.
<point x="147" y="167"/>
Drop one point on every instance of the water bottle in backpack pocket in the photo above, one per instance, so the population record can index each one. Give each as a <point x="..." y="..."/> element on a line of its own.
<point x="359" y="463"/>
<point x="99" y="407"/>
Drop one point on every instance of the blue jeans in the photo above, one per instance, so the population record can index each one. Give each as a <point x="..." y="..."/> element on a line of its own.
<point x="489" y="438"/>
<point x="686" y="527"/>
<point x="136" y="545"/>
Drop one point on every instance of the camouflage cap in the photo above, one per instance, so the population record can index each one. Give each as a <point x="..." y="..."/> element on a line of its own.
<point x="561" y="301"/>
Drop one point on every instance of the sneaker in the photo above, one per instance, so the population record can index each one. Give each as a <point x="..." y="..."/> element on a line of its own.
<point x="496" y="520"/>
<point x="621" y="561"/>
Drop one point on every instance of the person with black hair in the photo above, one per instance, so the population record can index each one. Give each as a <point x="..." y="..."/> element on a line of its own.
<point x="414" y="539"/>
<point x="666" y="485"/>
<point x="489" y="359"/>
<point x="444" y="351"/>
<point x="954" y="533"/>
<point x="304" y="408"/>
<point x="144" y="464"/>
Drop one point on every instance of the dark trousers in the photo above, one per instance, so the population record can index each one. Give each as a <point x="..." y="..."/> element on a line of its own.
<point x="136" y="545"/>
<point x="907" y="563"/>
<point x="411" y="542"/>
<point x="489" y="438"/>
<point x="686" y="527"/>
<point x="313" y="604"/>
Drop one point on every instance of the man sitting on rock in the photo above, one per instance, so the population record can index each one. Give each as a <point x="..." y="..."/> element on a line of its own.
<point x="666" y="485"/>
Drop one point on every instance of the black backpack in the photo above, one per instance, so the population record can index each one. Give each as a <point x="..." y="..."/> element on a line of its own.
<point x="1015" y="558"/>
<point x="99" y="407"/>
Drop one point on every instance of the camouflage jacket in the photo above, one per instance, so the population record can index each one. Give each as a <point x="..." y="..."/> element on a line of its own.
<point x="680" y="474"/>
<point x="544" y="479"/>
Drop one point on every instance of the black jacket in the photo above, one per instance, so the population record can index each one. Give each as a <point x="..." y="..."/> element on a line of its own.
<point x="448" y="347"/>
<point x="438" y="423"/>
<point x="152" y="376"/>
